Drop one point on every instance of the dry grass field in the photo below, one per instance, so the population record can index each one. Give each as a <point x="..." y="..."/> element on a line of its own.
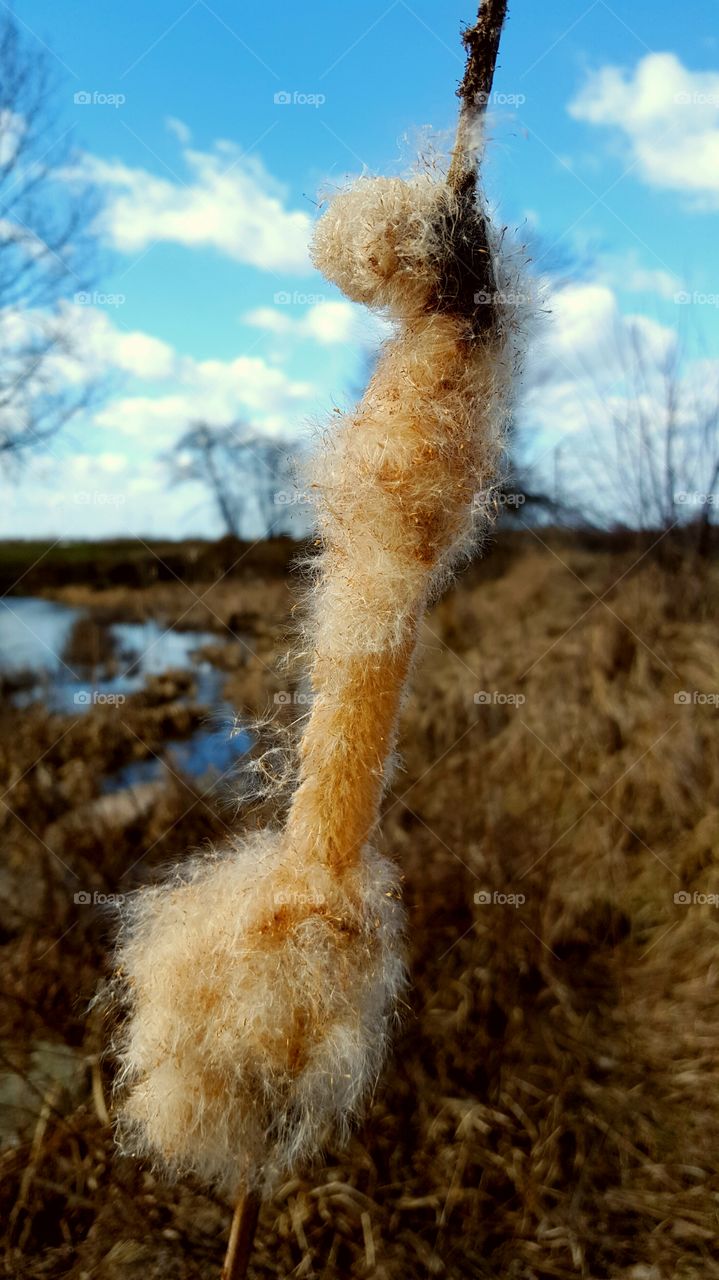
<point x="552" y="1106"/>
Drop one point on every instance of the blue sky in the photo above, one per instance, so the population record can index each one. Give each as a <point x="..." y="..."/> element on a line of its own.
<point x="604" y="154"/>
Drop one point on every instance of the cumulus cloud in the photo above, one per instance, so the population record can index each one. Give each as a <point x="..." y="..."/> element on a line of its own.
<point x="584" y="354"/>
<point x="102" y="495"/>
<point x="219" y="391"/>
<point x="87" y="345"/>
<point x="669" y="118"/>
<point x="230" y="203"/>
<point x="234" y="391"/>
<point x="328" y="322"/>
<point x="103" y="345"/>
<point x="583" y="318"/>
<point x="114" y="480"/>
<point x="183" y="387"/>
<point x="629" y="274"/>
<point x="331" y="322"/>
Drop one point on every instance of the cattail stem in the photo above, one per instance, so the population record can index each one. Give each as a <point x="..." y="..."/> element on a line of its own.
<point x="482" y="44"/>
<point x="242" y="1234"/>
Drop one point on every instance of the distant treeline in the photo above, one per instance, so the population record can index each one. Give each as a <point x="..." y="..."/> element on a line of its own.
<point x="27" y="567"/>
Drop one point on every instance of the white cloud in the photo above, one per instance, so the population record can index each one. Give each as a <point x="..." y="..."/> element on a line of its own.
<point x="164" y="389"/>
<point x="230" y="203"/>
<point x="180" y="130"/>
<point x="627" y="273"/>
<point x="582" y="320"/>
<point x="103" y="345"/>
<point x="328" y="322"/>
<point x="100" y="495"/>
<point x="331" y="322"/>
<point x="89" y="344"/>
<point x="269" y="318"/>
<point x="669" y="118"/>
<point x="657" y="343"/>
<point x="219" y="391"/>
<point x="585" y="351"/>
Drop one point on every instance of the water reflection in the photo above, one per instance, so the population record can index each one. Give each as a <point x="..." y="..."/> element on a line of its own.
<point x="34" y="634"/>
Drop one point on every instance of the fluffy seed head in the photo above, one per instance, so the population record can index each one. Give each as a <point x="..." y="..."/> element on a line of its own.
<point x="261" y="982"/>
<point x="375" y="241"/>
<point x="261" y="994"/>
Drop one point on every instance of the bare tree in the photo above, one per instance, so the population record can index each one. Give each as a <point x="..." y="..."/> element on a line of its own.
<point x="648" y="457"/>
<point x="45" y="250"/>
<point x="247" y="474"/>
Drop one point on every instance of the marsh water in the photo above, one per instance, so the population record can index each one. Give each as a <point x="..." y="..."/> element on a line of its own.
<point x="34" y="633"/>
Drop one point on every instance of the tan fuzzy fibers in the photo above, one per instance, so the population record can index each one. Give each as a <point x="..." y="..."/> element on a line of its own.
<point x="262" y="983"/>
<point x="264" y="995"/>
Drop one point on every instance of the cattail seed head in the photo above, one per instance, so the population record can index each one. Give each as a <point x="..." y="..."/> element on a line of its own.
<point x="262" y="995"/>
<point x="261" y="982"/>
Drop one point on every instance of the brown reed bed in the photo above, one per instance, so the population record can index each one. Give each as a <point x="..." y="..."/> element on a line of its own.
<point x="551" y="1109"/>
